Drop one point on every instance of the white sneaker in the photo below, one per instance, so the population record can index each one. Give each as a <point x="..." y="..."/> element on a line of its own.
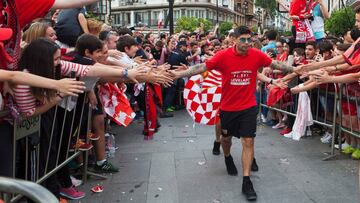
<point x="325" y="134"/>
<point x="75" y="181"/>
<point x="263" y="119"/>
<point x="308" y="133"/>
<point x="285" y="118"/>
<point x="289" y="135"/>
<point x="279" y="125"/>
<point x="327" y="139"/>
<point x="343" y="146"/>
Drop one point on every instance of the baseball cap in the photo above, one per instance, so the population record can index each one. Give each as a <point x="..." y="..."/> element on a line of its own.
<point x="5" y="34"/>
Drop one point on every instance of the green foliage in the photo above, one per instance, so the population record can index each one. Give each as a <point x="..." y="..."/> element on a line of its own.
<point x="287" y="33"/>
<point x="92" y="15"/>
<point x="340" y="21"/>
<point x="225" y="27"/>
<point x="191" y="24"/>
<point x="254" y="28"/>
<point x="269" y="6"/>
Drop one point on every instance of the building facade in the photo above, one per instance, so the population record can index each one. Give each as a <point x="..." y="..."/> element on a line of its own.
<point x="148" y="12"/>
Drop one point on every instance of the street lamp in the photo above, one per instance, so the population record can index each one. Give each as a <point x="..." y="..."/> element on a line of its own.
<point x="245" y="8"/>
<point x="171" y="16"/>
<point x="217" y="11"/>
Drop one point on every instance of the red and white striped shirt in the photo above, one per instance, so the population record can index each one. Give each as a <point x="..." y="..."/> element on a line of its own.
<point x="25" y="100"/>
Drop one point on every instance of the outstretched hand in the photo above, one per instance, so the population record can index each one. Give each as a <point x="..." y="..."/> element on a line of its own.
<point x="135" y="72"/>
<point x="181" y="67"/>
<point x="279" y="83"/>
<point x="70" y="87"/>
<point x="322" y="76"/>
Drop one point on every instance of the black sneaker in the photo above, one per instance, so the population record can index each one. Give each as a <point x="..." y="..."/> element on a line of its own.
<point x="216" y="148"/>
<point x="248" y="190"/>
<point x="254" y="166"/>
<point x="230" y="166"/>
<point x="107" y="167"/>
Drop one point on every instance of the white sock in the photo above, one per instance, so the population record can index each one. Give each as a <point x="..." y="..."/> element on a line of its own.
<point x="100" y="163"/>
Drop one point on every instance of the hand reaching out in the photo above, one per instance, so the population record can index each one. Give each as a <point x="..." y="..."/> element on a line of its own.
<point x="135" y="72"/>
<point x="279" y="83"/>
<point x="70" y="87"/>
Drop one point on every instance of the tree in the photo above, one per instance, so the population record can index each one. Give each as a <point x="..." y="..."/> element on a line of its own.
<point x="225" y="27"/>
<point x="191" y="24"/>
<point x="340" y="21"/>
<point x="268" y="5"/>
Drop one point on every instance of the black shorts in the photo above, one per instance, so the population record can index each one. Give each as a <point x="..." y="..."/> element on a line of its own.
<point x="239" y="123"/>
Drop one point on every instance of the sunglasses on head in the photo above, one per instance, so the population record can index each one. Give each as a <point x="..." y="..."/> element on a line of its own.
<point x="244" y="40"/>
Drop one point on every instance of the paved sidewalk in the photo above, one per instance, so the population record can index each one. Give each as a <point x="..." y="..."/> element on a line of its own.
<point x="178" y="167"/>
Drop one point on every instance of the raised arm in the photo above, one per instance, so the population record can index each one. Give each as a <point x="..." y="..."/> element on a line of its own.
<point x="263" y="78"/>
<point x="66" y="86"/>
<point x="192" y="70"/>
<point x="324" y="10"/>
<point x="64" y="4"/>
<point x="326" y="78"/>
<point x="278" y="65"/>
<point x="317" y="65"/>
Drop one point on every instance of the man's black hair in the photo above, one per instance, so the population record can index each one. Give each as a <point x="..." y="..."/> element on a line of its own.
<point x="232" y="34"/>
<point x="311" y="43"/>
<point x="125" y="41"/>
<point x="271" y="35"/>
<point x="124" y="31"/>
<point x="183" y="36"/>
<point x="88" y="42"/>
<point x="242" y="30"/>
<point x="193" y="44"/>
<point x="355" y="33"/>
<point x="299" y="51"/>
<point x="325" y="46"/>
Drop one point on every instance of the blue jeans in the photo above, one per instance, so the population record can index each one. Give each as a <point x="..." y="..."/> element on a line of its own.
<point x="169" y="95"/>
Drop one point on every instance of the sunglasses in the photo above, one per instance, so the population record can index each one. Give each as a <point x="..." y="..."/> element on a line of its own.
<point x="244" y="40"/>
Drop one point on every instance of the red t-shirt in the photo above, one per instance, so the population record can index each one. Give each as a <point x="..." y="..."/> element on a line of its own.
<point x="352" y="55"/>
<point x="297" y="8"/>
<point x="238" y="76"/>
<point x="28" y="10"/>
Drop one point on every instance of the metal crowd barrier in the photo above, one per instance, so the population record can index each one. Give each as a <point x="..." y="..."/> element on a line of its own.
<point x="29" y="126"/>
<point x="319" y="110"/>
<point x="33" y="191"/>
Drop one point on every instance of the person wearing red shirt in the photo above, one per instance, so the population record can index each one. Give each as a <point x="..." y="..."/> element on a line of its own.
<point x="239" y="67"/>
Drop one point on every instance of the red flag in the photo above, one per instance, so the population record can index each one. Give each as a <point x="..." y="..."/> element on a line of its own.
<point x="116" y="104"/>
<point x="202" y="97"/>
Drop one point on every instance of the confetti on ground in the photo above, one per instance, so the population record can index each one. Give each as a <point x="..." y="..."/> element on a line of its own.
<point x="97" y="189"/>
<point x="201" y="163"/>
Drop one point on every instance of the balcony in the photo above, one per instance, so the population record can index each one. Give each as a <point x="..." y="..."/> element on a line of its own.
<point x="132" y="2"/>
<point x="353" y="3"/>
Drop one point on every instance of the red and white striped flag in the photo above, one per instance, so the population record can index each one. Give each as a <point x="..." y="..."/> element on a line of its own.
<point x="160" y="20"/>
<point x="116" y="104"/>
<point x="202" y="97"/>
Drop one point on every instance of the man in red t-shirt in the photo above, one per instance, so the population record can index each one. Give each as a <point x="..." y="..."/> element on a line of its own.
<point x="239" y="66"/>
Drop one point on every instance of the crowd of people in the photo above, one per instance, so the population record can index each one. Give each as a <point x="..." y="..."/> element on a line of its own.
<point x="149" y="70"/>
